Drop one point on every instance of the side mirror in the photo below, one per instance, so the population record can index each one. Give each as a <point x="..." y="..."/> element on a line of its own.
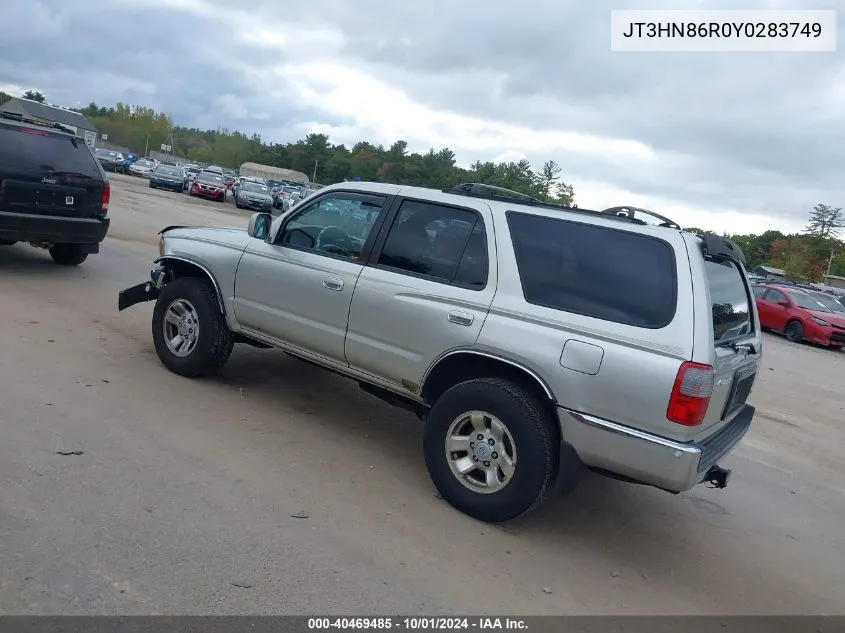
<point x="785" y="304"/>
<point x="259" y="225"/>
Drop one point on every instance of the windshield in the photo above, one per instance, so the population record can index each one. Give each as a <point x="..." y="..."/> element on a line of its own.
<point x="829" y="301"/>
<point x="145" y="163"/>
<point x="209" y="177"/>
<point x="106" y="153"/>
<point x="803" y="300"/>
<point x="168" y="171"/>
<point x="254" y="187"/>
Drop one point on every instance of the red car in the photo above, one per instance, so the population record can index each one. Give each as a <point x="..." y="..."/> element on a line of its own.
<point x="209" y="185"/>
<point x="799" y="315"/>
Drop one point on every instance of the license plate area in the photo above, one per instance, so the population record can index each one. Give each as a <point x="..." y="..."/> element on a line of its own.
<point x="743" y="381"/>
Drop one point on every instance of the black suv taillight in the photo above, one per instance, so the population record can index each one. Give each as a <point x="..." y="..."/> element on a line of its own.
<point x="104" y="199"/>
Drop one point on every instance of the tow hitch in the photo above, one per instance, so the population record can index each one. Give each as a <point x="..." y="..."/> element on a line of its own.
<point x="717" y="477"/>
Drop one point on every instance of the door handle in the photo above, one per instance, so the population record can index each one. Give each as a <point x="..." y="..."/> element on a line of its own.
<point x="461" y="318"/>
<point x="333" y="284"/>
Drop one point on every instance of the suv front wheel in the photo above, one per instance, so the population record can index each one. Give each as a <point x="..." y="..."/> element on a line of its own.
<point x="190" y="334"/>
<point x="491" y="449"/>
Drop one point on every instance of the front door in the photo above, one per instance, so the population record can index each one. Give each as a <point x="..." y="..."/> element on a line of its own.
<point x="297" y="286"/>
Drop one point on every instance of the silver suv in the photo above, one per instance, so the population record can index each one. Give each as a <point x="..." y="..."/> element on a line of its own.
<point x="533" y="340"/>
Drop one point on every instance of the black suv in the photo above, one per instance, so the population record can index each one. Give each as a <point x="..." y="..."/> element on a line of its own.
<point x="53" y="192"/>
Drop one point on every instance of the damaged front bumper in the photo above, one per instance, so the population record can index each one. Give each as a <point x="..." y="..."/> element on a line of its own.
<point x="147" y="291"/>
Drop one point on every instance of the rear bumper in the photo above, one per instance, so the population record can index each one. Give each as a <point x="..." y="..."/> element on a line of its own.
<point x="646" y="458"/>
<point x="33" y="227"/>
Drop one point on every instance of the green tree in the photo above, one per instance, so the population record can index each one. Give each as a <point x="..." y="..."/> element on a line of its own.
<point x="825" y="221"/>
<point x="564" y="194"/>
<point x="34" y="95"/>
<point x="547" y="178"/>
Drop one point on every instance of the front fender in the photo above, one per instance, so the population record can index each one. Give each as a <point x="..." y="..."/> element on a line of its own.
<point x="174" y="262"/>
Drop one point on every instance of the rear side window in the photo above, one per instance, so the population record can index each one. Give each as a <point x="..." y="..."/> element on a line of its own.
<point x="29" y="150"/>
<point x="728" y="300"/>
<point x="595" y="271"/>
<point x="443" y="243"/>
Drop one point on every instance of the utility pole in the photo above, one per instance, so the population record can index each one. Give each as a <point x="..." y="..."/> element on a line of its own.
<point x="147" y="147"/>
<point x="829" y="264"/>
<point x="314" y="177"/>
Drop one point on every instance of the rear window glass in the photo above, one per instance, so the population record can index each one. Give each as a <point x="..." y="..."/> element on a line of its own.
<point x="728" y="300"/>
<point x="595" y="271"/>
<point x="40" y="152"/>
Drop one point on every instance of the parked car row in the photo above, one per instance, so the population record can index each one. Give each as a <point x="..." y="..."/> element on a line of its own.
<point x="801" y="313"/>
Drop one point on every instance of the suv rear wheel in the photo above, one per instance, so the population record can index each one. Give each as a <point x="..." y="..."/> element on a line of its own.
<point x="68" y="254"/>
<point x="190" y="334"/>
<point x="491" y="449"/>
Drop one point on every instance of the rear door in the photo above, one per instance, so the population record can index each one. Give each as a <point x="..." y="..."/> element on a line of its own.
<point x="777" y="313"/>
<point x="47" y="172"/>
<point x="763" y="308"/>
<point x="734" y="363"/>
<point x="426" y="290"/>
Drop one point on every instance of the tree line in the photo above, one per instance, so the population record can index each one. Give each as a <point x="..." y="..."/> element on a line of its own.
<point x="138" y="127"/>
<point x="803" y="256"/>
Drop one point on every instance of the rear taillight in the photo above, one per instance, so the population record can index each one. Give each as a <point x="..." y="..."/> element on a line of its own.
<point x="104" y="199"/>
<point x="690" y="394"/>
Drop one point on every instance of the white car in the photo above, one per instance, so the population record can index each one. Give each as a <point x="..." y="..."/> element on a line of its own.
<point x="142" y="167"/>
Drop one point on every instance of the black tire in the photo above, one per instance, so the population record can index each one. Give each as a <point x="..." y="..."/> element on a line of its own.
<point x="534" y="436"/>
<point x="215" y="342"/>
<point x="68" y="254"/>
<point x="794" y="332"/>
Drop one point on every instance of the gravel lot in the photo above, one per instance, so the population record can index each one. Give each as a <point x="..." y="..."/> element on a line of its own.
<point x="183" y="496"/>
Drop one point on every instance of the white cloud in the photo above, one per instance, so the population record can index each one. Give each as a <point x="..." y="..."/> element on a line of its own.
<point x="725" y="143"/>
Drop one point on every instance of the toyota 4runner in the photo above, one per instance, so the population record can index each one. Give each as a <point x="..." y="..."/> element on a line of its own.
<point x="533" y="340"/>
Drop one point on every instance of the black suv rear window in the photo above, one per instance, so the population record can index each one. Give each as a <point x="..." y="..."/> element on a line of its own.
<point x="31" y="150"/>
<point x="729" y="300"/>
<point x="595" y="271"/>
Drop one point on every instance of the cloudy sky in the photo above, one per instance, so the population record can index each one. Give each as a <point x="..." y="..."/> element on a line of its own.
<point x="726" y="141"/>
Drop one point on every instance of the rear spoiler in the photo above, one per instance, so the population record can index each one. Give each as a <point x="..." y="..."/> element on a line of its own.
<point x="718" y="247"/>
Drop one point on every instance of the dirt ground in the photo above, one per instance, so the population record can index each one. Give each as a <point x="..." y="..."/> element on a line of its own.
<point x="278" y="488"/>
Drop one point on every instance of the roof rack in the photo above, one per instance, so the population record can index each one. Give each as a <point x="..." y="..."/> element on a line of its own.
<point x="632" y="212"/>
<point x="500" y="194"/>
<point x="14" y="116"/>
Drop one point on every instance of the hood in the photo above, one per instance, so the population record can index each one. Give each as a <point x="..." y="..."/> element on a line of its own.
<point x="229" y="236"/>
<point x="830" y="317"/>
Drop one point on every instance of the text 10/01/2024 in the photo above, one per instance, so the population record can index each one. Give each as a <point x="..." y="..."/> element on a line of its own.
<point x="418" y="623"/>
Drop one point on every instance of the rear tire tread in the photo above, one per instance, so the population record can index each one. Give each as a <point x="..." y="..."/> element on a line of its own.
<point x="68" y="254"/>
<point x="538" y="446"/>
